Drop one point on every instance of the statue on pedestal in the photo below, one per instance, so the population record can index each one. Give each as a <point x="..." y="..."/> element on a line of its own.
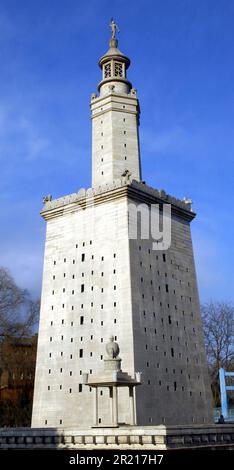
<point x="114" y="28"/>
<point x="112" y="349"/>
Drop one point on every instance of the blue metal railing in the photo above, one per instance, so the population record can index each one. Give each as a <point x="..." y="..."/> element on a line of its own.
<point x="223" y="391"/>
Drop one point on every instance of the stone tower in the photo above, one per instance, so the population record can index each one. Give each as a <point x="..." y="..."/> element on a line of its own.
<point x="115" y="118"/>
<point x="99" y="281"/>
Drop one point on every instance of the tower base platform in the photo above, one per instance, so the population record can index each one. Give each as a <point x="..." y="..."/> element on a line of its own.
<point x="122" y="438"/>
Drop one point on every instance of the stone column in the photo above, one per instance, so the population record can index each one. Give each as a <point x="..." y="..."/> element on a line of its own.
<point x="95" y="407"/>
<point x="111" y="405"/>
<point x="115" y="405"/>
<point x="132" y="406"/>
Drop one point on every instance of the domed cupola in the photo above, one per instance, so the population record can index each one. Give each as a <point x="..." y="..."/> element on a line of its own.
<point x="114" y="67"/>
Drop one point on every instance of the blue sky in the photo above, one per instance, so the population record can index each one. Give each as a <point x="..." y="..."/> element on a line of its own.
<point x="183" y="69"/>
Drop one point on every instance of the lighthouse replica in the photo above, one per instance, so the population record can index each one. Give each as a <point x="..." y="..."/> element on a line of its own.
<point x="99" y="280"/>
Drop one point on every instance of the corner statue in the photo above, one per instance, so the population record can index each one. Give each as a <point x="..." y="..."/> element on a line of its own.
<point x="114" y="28"/>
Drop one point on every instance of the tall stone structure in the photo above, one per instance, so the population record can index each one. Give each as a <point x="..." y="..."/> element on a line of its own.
<point x="115" y="119"/>
<point x="99" y="281"/>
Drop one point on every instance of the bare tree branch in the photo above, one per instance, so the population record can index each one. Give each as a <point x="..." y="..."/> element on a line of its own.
<point x="218" y="324"/>
<point x="18" y="312"/>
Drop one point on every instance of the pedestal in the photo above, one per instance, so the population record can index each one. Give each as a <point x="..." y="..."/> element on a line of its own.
<point x="95" y="407"/>
<point x="132" y="405"/>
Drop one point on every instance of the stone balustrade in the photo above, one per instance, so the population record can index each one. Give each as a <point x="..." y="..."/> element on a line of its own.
<point x="158" y="438"/>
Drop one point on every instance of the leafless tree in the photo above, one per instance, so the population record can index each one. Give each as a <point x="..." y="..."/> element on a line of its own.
<point x="18" y="312"/>
<point x="218" y="323"/>
<point x="18" y="321"/>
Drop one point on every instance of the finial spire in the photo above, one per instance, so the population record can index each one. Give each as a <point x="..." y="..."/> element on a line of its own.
<point x="114" y="28"/>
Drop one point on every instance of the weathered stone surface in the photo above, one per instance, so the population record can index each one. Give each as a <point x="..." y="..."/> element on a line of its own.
<point x="89" y="439"/>
<point x="175" y="440"/>
<point x="147" y="440"/>
<point x="79" y="439"/>
<point x="134" y="439"/>
<point x="123" y="439"/>
<point x="100" y="439"/>
<point x="158" y="439"/>
<point x="110" y="439"/>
